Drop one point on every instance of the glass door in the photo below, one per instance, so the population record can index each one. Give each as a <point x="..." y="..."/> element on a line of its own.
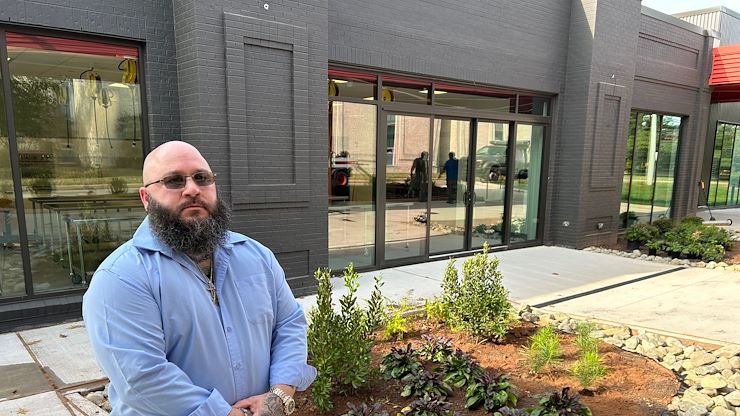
<point x="450" y="144"/>
<point x="491" y="161"/>
<point x="407" y="186"/>
<point x="526" y="182"/>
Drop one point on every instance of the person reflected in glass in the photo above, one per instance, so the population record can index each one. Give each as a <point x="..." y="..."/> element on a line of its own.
<point x="419" y="176"/>
<point x="450" y="169"/>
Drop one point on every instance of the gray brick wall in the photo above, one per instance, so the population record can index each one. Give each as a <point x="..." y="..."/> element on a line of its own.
<point x="263" y="130"/>
<point x="143" y="21"/>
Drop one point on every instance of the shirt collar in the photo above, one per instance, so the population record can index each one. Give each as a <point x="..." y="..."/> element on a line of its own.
<point x="144" y="238"/>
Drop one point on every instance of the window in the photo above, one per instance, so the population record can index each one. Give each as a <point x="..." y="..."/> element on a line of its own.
<point x="78" y="130"/>
<point x="650" y="168"/>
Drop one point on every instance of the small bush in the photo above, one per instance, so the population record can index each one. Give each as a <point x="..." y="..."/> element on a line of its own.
<point x="396" y="325"/>
<point x="460" y="369"/>
<point x="585" y="342"/>
<point x="435" y="349"/>
<point x="400" y="362"/>
<point x="663" y="225"/>
<point x="491" y="392"/>
<point x="588" y="369"/>
<point x="560" y="404"/>
<point x="424" y="383"/>
<point x="332" y="337"/>
<point x="508" y="411"/>
<point x="477" y="302"/>
<point x="641" y="233"/>
<point x="437" y="310"/>
<point x="691" y="221"/>
<point x="427" y="406"/>
<point x="544" y="348"/>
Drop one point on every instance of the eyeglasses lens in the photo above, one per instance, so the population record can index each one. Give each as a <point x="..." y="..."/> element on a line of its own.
<point x="179" y="181"/>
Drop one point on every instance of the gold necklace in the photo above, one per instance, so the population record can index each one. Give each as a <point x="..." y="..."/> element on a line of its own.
<point x="211" y="286"/>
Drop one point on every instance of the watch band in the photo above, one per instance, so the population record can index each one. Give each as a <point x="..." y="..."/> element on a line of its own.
<point x="288" y="403"/>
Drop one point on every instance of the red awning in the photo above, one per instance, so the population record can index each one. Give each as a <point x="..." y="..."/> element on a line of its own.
<point x="725" y="77"/>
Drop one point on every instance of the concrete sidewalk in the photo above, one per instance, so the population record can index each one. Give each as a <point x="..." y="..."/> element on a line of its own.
<point x="41" y="370"/>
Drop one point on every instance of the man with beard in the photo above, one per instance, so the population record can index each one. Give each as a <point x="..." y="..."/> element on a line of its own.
<point x="188" y="318"/>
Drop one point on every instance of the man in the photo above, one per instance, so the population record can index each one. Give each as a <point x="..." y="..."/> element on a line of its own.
<point x="188" y="318"/>
<point x="450" y="167"/>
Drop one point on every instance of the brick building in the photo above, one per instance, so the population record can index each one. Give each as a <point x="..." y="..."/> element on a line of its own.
<point x="378" y="133"/>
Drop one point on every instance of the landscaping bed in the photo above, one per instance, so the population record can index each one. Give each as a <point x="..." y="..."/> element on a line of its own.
<point x="634" y="385"/>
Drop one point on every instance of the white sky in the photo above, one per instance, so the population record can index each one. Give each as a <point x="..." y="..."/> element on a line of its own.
<point x="678" y="6"/>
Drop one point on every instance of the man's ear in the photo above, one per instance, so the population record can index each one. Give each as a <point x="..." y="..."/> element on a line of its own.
<point x="144" y="196"/>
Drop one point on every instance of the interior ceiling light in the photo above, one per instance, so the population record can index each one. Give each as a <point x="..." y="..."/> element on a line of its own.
<point x="340" y="81"/>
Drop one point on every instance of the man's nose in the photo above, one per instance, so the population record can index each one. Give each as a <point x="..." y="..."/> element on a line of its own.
<point x="191" y="188"/>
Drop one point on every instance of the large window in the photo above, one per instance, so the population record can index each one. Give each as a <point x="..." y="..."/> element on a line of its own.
<point x="78" y="133"/>
<point x="352" y="184"/>
<point x="650" y="168"/>
<point x="724" y="184"/>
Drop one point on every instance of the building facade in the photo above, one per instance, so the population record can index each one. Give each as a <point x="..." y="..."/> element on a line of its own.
<point x="377" y="133"/>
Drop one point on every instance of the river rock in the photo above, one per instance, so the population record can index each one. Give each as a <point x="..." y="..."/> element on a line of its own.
<point x="699" y="358"/>
<point x="728" y="351"/>
<point x="96" y="397"/>
<point x="714" y="381"/>
<point x="721" y="411"/>
<point x="694" y="411"/>
<point x="733" y="398"/>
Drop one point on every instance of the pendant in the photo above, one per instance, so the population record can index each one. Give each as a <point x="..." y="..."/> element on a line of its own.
<point x="212" y="291"/>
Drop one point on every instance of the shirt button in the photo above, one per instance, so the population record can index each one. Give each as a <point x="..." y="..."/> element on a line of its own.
<point x="228" y="329"/>
<point x="238" y="366"/>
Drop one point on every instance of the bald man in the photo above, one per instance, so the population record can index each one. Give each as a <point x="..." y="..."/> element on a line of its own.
<point x="188" y="318"/>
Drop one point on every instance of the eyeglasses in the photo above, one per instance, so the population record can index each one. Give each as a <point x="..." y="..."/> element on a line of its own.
<point x="178" y="181"/>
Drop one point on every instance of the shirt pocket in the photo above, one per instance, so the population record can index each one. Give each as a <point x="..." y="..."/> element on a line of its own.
<point x="257" y="298"/>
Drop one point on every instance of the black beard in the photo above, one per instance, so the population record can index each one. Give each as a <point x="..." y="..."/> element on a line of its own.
<point x="197" y="237"/>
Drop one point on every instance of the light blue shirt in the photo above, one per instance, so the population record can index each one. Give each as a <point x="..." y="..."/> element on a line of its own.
<point x="168" y="350"/>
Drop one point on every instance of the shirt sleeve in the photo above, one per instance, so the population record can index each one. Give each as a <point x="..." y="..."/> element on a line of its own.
<point x="289" y="351"/>
<point x="125" y="328"/>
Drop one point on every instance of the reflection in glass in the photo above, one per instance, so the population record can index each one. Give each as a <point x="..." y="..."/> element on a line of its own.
<point x="650" y="168"/>
<point x="624" y="215"/>
<point x="529" y="104"/>
<point x="402" y="90"/>
<point x="643" y="168"/>
<point x="526" y="188"/>
<point x="666" y="166"/>
<point x="476" y="101"/>
<point x="11" y="268"/>
<point x="716" y="155"/>
<point x="490" y="183"/>
<point x="352" y="180"/>
<point x="78" y="125"/>
<point x="349" y="84"/>
<point x="406" y="186"/>
<point x="734" y="186"/>
<point x="449" y="165"/>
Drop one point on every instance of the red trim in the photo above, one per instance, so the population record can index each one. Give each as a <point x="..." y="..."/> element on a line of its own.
<point x="335" y="73"/>
<point x="47" y="43"/>
<point x="396" y="81"/>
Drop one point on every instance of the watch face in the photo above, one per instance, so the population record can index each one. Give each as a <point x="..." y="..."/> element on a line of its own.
<point x="289" y="406"/>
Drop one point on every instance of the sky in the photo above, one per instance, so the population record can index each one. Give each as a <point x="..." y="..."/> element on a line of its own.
<point x="678" y="6"/>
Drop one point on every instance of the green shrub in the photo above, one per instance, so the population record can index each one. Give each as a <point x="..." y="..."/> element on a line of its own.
<point x="691" y="221"/>
<point x="332" y="336"/>
<point x="118" y="186"/>
<point x="663" y="225"/>
<point x="544" y="348"/>
<point x="584" y="340"/>
<point x="695" y="240"/>
<point x="627" y="218"/>
<point x="588" y="368"/>
<point x="395" y="326"/>
<point x="437" y="310"/>
<point x="641" y="233"/>
<point x="508" y="411"/>
<point x="710" y="234"/>
<point x="477" y="302"/>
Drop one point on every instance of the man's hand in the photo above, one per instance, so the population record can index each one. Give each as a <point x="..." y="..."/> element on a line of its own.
<point x="268" y="404"/>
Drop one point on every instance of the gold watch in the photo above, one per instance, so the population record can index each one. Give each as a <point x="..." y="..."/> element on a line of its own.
<point x="288" y="402"/>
